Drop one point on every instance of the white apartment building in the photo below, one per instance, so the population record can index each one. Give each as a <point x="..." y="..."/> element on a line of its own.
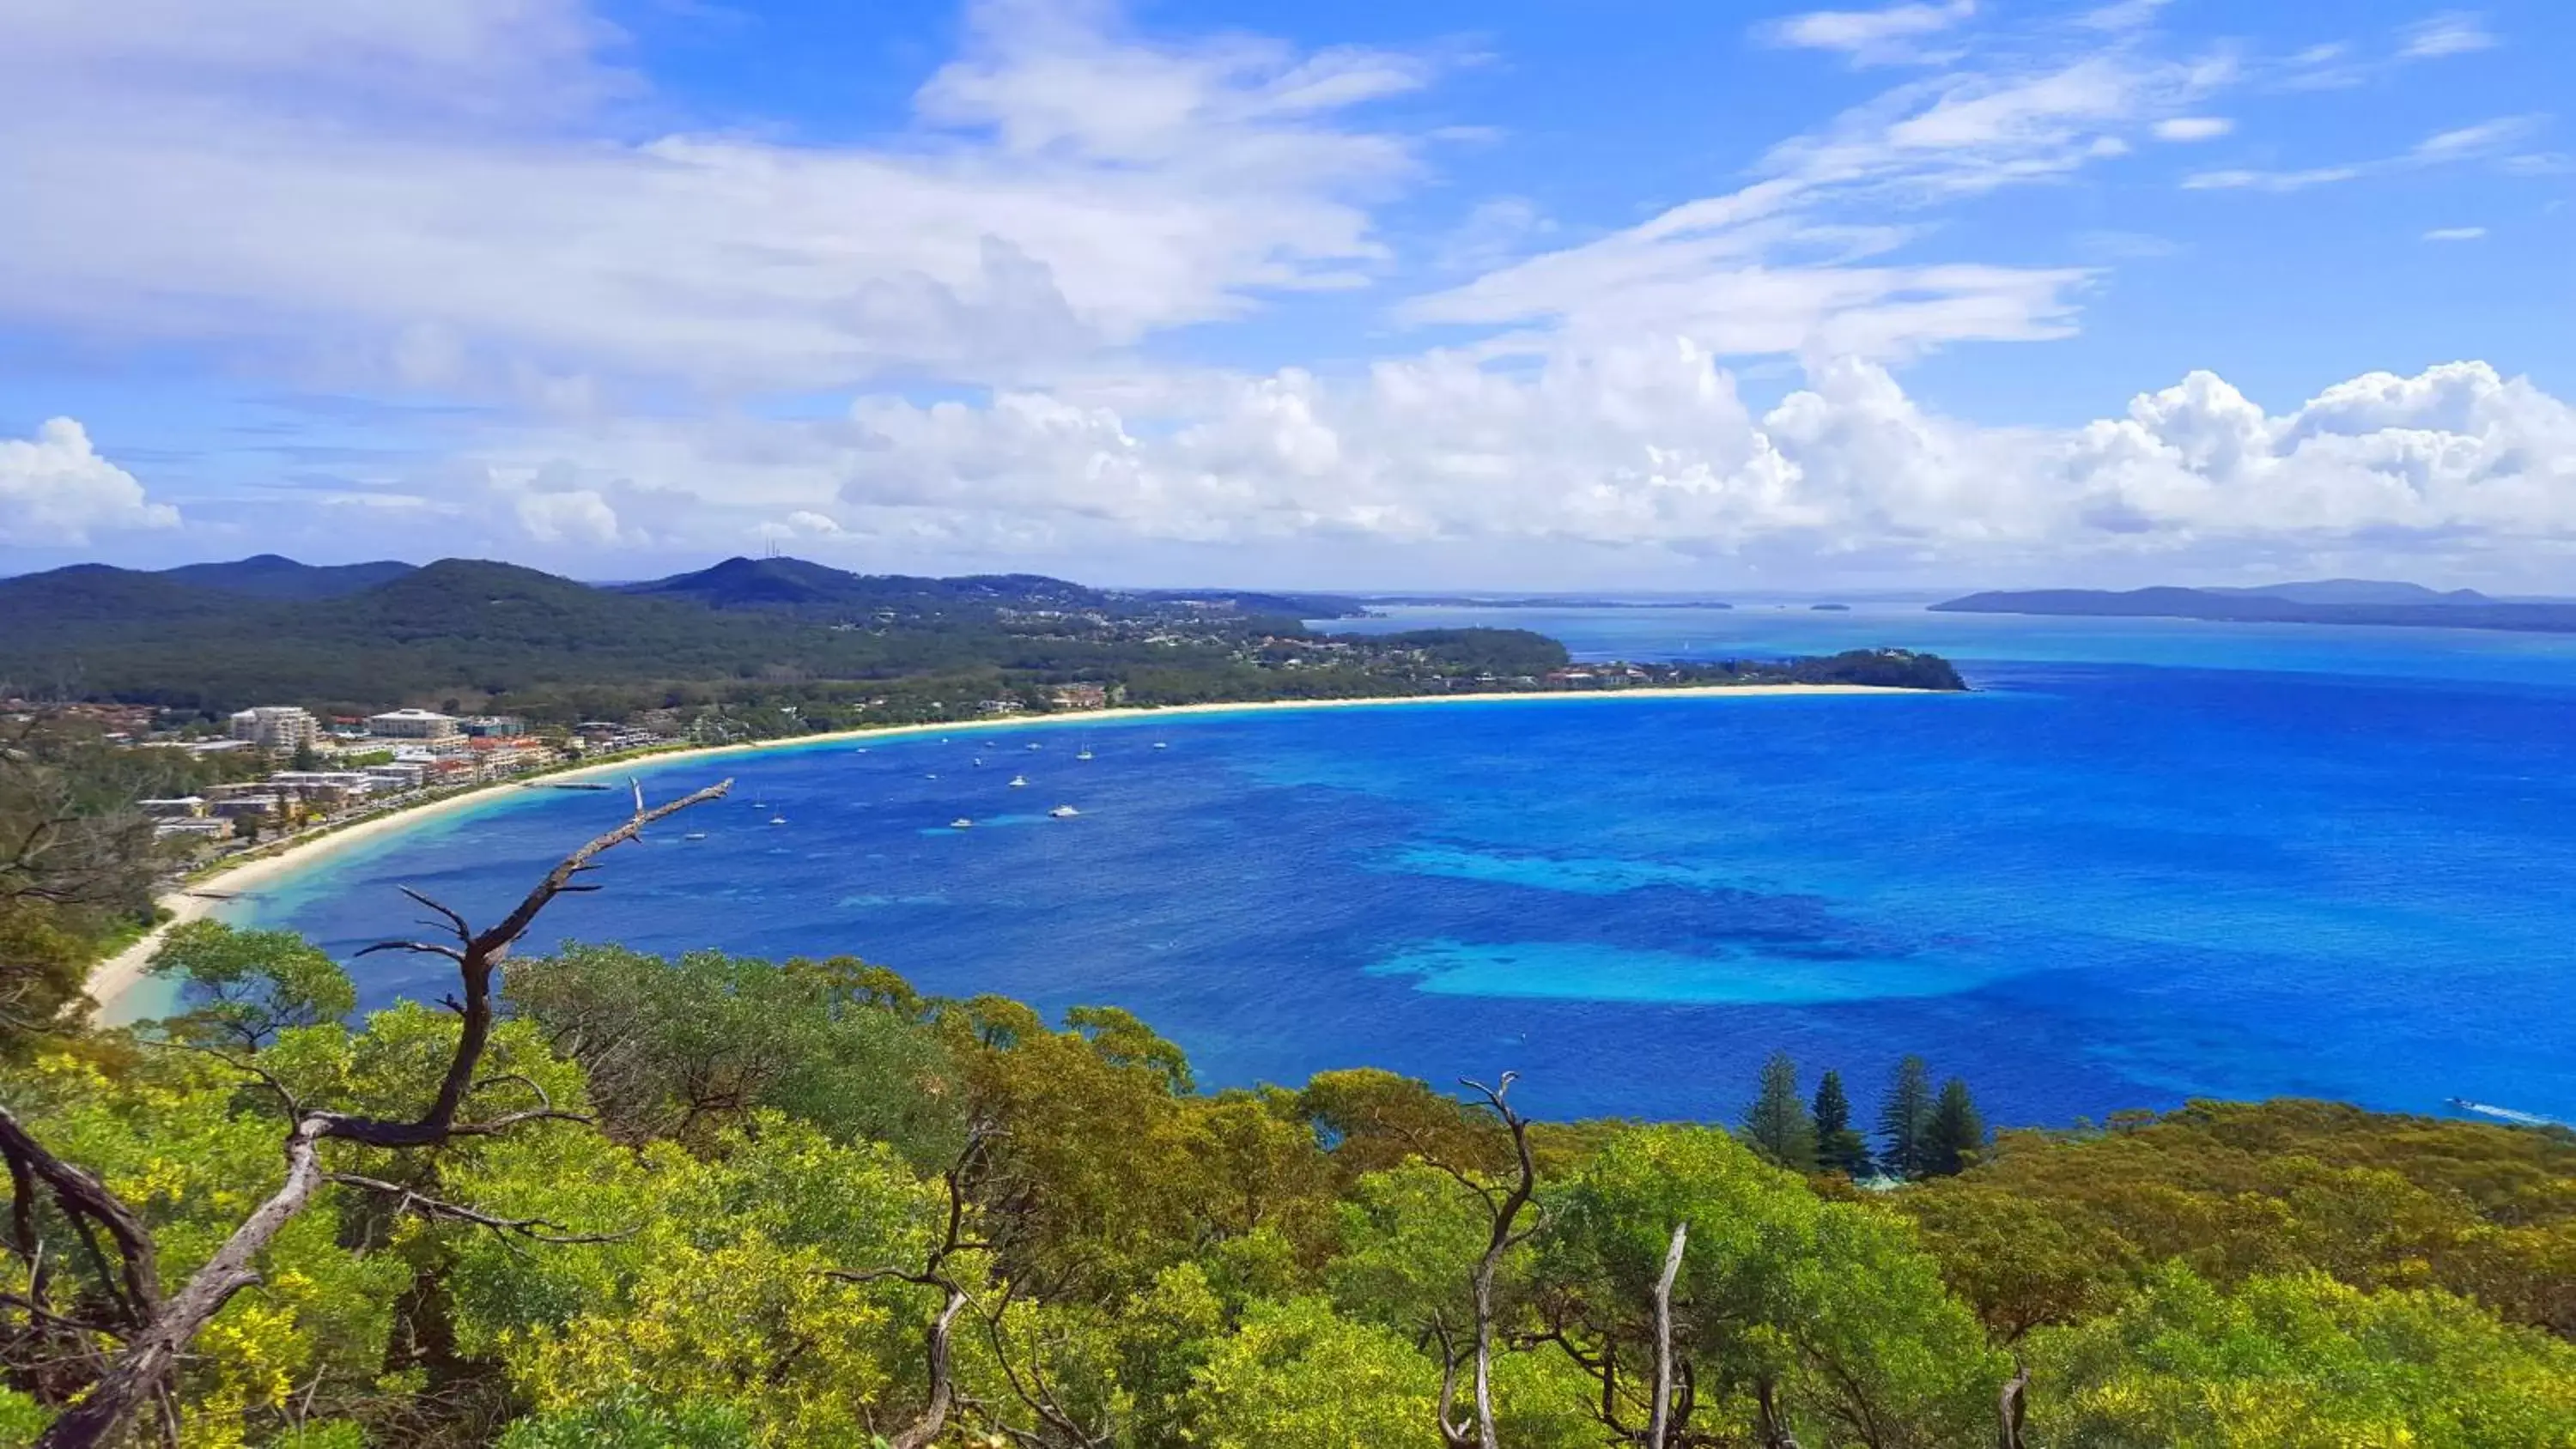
<point x="276" y="726"/>
<point x="412" y="724"/>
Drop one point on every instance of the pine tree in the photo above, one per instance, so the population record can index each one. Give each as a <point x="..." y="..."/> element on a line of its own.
<point x="1958" y="1133"/>
<point x="1838" y="1147"/>
<point x="1778" y="1126"/>
<point x="1905" y="1120"/>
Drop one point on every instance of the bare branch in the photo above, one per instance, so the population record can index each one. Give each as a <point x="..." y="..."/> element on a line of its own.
<point x="140" y="1373"/>
<point x="1503" y="1208"/>
<point x="411" y="1199"/>
<point x="1659" y="1414"/>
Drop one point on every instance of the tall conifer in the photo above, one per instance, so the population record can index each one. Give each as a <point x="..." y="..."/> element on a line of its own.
<point x="1838" y="1147"/>
<point x="1905" y="1120"/>
<point x="1778" y="1126"/>
<point x="1958" y="1131"/>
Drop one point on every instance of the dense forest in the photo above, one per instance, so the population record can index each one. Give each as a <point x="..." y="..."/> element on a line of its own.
<point x="602" y="1198"/>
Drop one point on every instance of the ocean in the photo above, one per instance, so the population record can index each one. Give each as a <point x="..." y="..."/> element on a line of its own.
<point x="2143" y="861"/>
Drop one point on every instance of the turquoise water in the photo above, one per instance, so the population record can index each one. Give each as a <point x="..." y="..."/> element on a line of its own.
<point x="2144" y="861"/>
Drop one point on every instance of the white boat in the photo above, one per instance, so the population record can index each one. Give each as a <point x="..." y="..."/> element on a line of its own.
<point x="961" y="823"/>
<point x="777" y="819"/>
<point x="1158" y="744"/>
<point x="932" y="776"/>
<point x="979" y="759"/>
<point x="1019" y="781"/>
<point x="1036" y="746"/>
<point x="1064" y="812"/>
<point x="695" y="835"/>
<point x="1086" y="754"/>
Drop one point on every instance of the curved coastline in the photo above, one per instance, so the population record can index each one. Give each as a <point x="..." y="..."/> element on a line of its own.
<point x="112" y="981"/>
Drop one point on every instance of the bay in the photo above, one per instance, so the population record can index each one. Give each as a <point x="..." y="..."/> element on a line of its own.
<point x="2146" y="860"/>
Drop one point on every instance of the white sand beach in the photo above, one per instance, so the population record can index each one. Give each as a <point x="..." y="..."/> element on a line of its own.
<point x="113" y="980"/>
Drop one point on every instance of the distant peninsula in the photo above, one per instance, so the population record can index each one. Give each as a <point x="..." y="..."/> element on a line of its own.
<point x="2325" y="601"/>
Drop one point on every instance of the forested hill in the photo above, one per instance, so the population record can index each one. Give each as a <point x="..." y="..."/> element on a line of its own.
<point x="2336" y="602"/>
<point x="270" y="576"/>
<point x="818" y="591"/>
<point x="783" y="643"/>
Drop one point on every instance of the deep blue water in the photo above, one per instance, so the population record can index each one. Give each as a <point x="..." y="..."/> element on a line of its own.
<point x="2146" y="860"/>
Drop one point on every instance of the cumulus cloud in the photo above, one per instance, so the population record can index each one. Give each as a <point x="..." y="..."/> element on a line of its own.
<point x="1651" y="450"/>
<point x="56" y="489"/>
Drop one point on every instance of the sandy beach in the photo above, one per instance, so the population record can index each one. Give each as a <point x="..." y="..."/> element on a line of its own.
<point x="113" y="980"/>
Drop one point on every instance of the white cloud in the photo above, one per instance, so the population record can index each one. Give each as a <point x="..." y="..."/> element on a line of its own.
<point x="2481" y="139"/>
<point x="2240" y="179"/>
<point x="580" y="516"/>
<point x="2455" y="233"/>
<point x="1796" y="261"/>
<point x="56" y="489"/>
<point x="2465" y="143"/>
<point x="434" y="200"/>
<point x="1868" y="37"/>
<point x="2451" y="33"/>
<point x="1638" y="457"/>
<point x="2193" y="128"/>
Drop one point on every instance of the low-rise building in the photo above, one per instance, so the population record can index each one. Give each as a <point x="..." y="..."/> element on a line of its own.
<point x="252" y="805"/>
<point x="177" y="807"/>
<point x="493" y="726"/>
<point x="276" y="726"/>
<point x="194" y="826"/>
<point x="1081" y="696"/>
<point x="400" y="775"/>
<point x="412" y="724"/>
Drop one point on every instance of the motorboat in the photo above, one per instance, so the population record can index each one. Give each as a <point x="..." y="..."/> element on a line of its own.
<point x="1064" y="812"/>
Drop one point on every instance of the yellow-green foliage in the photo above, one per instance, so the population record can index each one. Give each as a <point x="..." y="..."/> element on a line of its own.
<point x="2054" y="1226"/>
<point x="1153" y="1267"/>
<point x="2299" y="1362"/>
<point x="718" y="1290"/>
<point x="188" y="1146"/>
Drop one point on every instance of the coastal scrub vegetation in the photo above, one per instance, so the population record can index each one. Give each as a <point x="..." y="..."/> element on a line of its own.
<point x="605" y="1198"/>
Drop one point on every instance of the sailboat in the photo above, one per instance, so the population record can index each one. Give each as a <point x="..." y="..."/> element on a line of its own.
<point x="1019" y="782"/>
<point x="777" y="819"/>
<point x="961" y="823"/>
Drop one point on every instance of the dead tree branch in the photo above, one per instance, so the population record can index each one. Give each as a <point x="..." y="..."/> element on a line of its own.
<point x="139" y="1373"/>
<point x="1659" y="1414"/>
<point x="1503" y="1207"/>
<point x="936" y="1272"/>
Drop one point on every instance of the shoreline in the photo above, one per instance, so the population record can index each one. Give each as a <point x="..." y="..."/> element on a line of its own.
<point x="112" y="981"/>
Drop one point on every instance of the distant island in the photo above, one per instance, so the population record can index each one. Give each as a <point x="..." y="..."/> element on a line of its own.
<point x="2323" y="601"/>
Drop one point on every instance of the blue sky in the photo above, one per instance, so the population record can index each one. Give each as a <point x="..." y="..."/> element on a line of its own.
<point x="1508" y="294"/>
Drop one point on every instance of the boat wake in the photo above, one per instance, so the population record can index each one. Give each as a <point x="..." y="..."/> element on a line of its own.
<point x="2506" y="1114"/>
